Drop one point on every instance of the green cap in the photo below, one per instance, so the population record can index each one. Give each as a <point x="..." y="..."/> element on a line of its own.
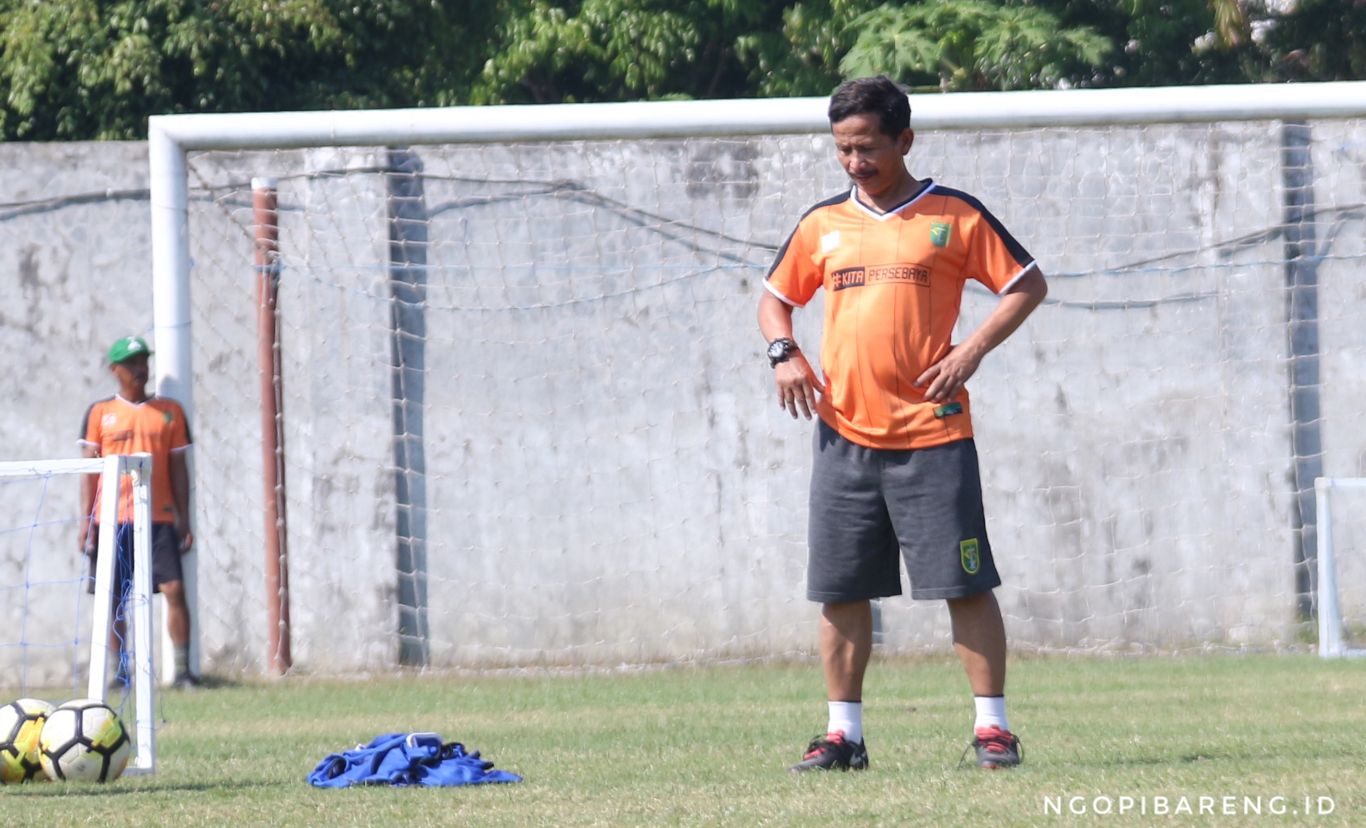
<point x="127" y="348"/>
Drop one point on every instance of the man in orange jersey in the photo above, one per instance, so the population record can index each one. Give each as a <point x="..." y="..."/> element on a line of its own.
<point x="132" y="422"/>
<point x="895" y="472"/>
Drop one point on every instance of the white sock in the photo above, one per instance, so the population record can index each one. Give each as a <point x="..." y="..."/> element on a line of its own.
<point x="991" y="711"/>
<point x="848" y="717"/>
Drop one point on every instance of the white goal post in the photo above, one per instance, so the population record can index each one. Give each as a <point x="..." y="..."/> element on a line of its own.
<point x="1332" y="640"/>
<point x="591" y="471"/>
<point x="138" y="610"/>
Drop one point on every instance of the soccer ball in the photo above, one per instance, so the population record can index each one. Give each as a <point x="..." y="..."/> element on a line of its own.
<point x="84" y="741"/>
<point x="21" y="722"/>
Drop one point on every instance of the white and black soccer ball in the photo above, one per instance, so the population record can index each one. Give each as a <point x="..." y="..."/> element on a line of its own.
<point x="21" y="724"/>
<point x="84" y="741"/>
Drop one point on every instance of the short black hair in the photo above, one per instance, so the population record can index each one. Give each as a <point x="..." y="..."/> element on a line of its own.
<point x="880" y="95"/>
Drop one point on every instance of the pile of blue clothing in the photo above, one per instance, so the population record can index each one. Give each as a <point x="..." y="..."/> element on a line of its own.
<point x="407" y="759"/>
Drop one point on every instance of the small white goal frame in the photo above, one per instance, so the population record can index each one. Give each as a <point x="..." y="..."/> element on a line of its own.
<point x="111" y="470"/>
<point x="1331" y="640"/>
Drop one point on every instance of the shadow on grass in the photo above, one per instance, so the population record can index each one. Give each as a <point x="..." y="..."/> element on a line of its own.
<point x="48" y="789"/>
<point x="1117" y="760"/>
<point x="205" y="683"/>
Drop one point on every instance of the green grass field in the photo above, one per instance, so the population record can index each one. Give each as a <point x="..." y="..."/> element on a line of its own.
<point x="710" y="746"/>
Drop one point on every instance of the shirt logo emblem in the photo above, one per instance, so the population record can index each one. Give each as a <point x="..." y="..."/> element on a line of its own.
<point x="830" y="241"/>
<point x="108" y="420"/>
<point x="939" y="233"/>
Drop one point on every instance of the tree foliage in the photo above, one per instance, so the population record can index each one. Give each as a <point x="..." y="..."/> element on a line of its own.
<point x="74" y="69"/>
<point x="1321" y="40"/>
<point x="616" y="50"/>
<point x="801" y="54"/>
<point x="97" y="69"/>
<point x="973" y="44"/>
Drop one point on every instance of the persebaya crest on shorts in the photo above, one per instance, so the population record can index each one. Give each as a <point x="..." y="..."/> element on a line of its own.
<point x="970" y="554"/>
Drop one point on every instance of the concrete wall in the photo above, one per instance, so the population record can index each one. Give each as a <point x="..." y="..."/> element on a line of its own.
<point x="609" y="479"/>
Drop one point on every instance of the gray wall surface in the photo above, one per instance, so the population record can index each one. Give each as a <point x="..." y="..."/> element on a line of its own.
<point x="608" y="477"/>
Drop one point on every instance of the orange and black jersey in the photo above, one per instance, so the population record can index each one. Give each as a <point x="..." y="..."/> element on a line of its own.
<point x="156" y="426"/>
<point x="894" y="285"/>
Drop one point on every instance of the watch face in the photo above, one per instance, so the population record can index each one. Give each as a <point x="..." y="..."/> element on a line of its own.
<point x="780" y="349"/>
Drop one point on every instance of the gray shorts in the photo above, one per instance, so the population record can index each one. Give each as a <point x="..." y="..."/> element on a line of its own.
<point x="872" y="507"/>
<point x="165" y="557"/>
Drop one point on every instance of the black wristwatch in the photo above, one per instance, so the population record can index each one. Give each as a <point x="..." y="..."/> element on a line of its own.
<point x="780" y="350"/>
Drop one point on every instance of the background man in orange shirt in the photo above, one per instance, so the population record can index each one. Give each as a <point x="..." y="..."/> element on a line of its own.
<point x="895" y="471"/>
<point x="132" y="422"/>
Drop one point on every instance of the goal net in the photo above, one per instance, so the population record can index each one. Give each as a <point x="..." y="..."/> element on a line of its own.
<point x="55" y="621"/>
<point x="526" y="418"/>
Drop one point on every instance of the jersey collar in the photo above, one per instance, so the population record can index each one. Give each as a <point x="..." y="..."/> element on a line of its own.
<point x="926" y="186"/>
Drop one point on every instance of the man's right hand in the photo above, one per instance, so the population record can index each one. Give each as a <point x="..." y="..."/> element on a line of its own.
<point x="88" y="539"/>
<point x="797" y="386"/>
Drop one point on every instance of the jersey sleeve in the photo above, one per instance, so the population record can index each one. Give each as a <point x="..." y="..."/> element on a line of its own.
<point x="90" y="428"/>
<point x="794" y="276"/>
<point x="995" y="258"/>
<point x="180" y="430"/>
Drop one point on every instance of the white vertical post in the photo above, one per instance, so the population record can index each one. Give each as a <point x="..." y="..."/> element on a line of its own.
<point x="1330" y="618"/>
<point x="1332" y="640"/>
<point x="170" y="198"/>
<point x="102" y="622"/>
<point x="144" y="684"/>
<point x="170" y="265"/>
